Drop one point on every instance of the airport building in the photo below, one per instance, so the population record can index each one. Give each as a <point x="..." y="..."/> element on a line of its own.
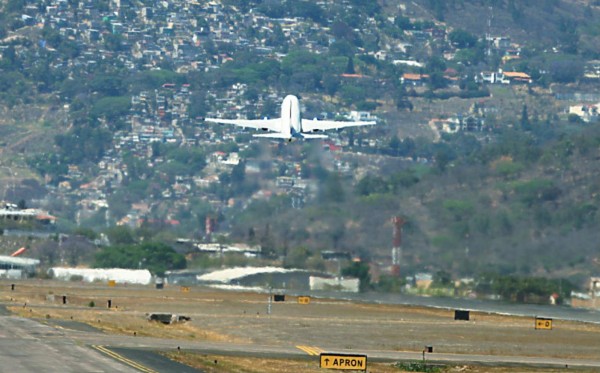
<point x="16" y="268"/>
<point x="275" y="278"/>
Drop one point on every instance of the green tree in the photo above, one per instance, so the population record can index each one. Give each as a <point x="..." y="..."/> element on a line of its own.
<point x="359" y="270"/>
<point x="111" y="108"/>
<point x="120" y="235"/>
<point x="154" y="256"/>
<point x="525" y="124"/>
<point x="333" y="189"/>
<point x="438" y="7"/>
<point x="442" y="279"/>
<point x="462" y="39"/>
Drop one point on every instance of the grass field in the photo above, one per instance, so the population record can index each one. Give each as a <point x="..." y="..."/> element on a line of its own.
<point x="242" y="318"/>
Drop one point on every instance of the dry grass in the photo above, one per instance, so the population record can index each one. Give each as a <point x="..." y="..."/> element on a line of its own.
<point x="236" y="364"/>
<point x="122" y="318"/>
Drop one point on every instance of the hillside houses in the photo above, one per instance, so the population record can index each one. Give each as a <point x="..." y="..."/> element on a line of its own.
<point x="202" y="37"/>
<point x="506" y="77"/>
<point x="586" y="112"/>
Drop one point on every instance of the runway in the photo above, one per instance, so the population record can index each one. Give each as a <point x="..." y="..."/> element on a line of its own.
<point x="50" y="336"/>
<point x="33" y="346"/>
<point x="560" y="312"/>
<point x="29" y="346"/>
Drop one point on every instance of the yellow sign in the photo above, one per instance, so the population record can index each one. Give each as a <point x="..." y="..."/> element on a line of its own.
<point x="303" y="300"/>
<point x="185" y="289"/>
<point x="343" y="362"/>
<point x="541" y="323"/>
<point x="112" y="283"/>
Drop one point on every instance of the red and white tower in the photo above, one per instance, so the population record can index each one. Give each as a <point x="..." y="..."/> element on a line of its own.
<point x="397" y="222"/>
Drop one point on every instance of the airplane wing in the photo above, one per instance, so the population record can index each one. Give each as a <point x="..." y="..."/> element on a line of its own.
<point x="314" y="125"/>
<point x="261" y="124"/>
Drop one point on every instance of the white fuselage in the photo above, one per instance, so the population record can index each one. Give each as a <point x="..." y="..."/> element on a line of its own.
<point x="291" y="122"/>
<point x="290" y="126"/>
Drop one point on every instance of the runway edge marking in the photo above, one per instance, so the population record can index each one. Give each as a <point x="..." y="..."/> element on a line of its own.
<point x="313" y="351"/>
<point x="123" y="359"/>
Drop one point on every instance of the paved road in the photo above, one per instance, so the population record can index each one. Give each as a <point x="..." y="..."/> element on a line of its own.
<point x="488" y="306"/>
<point x="154" y="362"/>
<point x="31" y="346"/>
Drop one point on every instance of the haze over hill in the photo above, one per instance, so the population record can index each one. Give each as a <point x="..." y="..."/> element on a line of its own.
<point x="480" y="145"/>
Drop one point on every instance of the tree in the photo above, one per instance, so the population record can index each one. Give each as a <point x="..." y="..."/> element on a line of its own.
<point x="342" y="31"/>
<point x="113" y="42"/>
<point x="350" y="66"/>
<point x="371" y="185"/>
<point x="156" y="257"/>
<point x="359" y="270"/>
<point x="277" y="37"/>
<point x="272" y="9"/>
<point x="120" y="235"/>
<point x="435" y="63"/>
<point x="437" y="80"/>
<point x="394" y="145"/>
<point x="443" y="156"/>
<point x="341" y="48"/>
<point x="390" y="284"/>
<point x="441" y="279"/>
<point x="333" y="189"/>
<point x="83" y="143"/>
<point x="566" y="69"/>
<point x="111" y="108"/>
<point x="331" y="83"/>
<point x="14" y="6"/>
<point x="108" y="85"/>
<point x="308" y="9"/>
<point x="462" y="39"/>
<point x="536" y="191"/>
<point x="296" y="258"/>
<point x="525" y="124"/>
<point x="403" y="23"/>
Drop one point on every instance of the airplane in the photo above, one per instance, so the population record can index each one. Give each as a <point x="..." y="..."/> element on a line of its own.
<point x="290" y="126"/>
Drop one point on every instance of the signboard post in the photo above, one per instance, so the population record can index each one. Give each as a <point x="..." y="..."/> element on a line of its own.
<point x="343" y="361"/>
<point x="543" y="323"/>
<point x="303" y="300"/>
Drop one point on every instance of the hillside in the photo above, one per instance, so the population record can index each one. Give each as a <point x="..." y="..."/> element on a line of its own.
<point x="542" y="23"/>
<point x="101" y="121"/>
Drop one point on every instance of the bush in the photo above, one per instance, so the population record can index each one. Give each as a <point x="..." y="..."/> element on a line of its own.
<point x="574" y="118"/>
<point x="419" y="366"/>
